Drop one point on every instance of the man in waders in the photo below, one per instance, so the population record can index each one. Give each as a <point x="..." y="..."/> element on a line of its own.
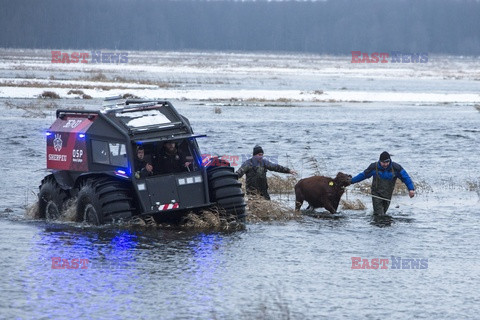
<point x="256" y="170"/>
<point x="385" y="173"/>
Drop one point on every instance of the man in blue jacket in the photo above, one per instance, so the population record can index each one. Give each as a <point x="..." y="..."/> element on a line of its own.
<point x="385" y="173"/>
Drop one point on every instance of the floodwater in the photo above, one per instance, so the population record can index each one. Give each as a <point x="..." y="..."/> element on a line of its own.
<point x="298" y="269"/>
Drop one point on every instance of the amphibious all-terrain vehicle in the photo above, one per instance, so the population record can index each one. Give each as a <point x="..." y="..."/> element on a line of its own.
<point x="91" y="156"/>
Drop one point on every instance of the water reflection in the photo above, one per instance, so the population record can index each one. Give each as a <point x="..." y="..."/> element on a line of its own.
<point x="127" y="269"/>
<point x="60" y="292"/>
<point x="207" y="262"/>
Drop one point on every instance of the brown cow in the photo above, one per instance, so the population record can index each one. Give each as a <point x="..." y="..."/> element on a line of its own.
<point x="321" y="191"/>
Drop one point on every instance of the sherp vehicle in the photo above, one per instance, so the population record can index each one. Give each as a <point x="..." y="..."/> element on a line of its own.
<point x="91" y="157"/>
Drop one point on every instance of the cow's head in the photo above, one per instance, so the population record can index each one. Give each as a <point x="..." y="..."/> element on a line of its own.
<point x="343" y="179"/>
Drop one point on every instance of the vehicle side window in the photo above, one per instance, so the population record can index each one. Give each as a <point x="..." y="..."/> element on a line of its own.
<point x="184" y="148"/>
<point x="118" y="154"/>
<point x="100" y="152"/>
<point x="111" y="153"/>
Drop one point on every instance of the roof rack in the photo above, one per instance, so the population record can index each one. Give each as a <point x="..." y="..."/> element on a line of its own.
<point x="113" y="98"/>
<point x="137" y="101"/>
<point x="61" y="113"/>
<point x="129" y="108"/>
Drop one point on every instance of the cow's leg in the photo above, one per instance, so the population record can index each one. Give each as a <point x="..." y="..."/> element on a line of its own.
<point x="298" y="200"/>
<point x="298" y="204"/>
<point x="335" y="204"/>
<point x="330" y="208"/>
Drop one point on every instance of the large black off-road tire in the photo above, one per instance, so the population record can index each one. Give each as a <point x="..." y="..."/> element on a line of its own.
<point x="51" y="199"/>
<point x="104" y="200"/>
<point x="226" y="191"/>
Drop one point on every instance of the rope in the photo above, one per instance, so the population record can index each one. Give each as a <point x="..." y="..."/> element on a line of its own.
<point x="374" y="196"/>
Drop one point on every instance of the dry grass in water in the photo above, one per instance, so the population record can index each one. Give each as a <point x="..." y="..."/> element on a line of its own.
<point x="473" y="185"/>
<point x="80" y="93"/>
<point x="314" y="165"/>
<point x="49" y="95"/>
<point x="212" y="219"/>
<point x="282" y="185"/>
<point x="353" y="205"/>
<point x="160" y="84"/>
<point x="101" y="77"/>
<point x="421" y="186"/>
<point x="217" y="110"/>
<point x="32" y="110"/>
<point x="70" y="213"/>
<point x="147" y="221"/>
<point x="57" y="85"/>
<point x="129" y="96"/>
<point x="400" y="188"/>
<point x="206" y="220"/>
<point x="260" y="209"/>
<point x="31" y="212"/>
<point x="75" y="91"/>
<point x="362" y="187"/>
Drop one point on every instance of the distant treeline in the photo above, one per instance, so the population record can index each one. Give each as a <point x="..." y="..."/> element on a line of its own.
<point x="332" y="27"/>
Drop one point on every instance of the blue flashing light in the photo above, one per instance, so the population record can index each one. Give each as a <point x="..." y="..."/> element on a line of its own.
<point x="121" y="173"/>
<point x="199" y="161"/>
<point x="48" y="133"/>
<point x="81" y="135"/>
